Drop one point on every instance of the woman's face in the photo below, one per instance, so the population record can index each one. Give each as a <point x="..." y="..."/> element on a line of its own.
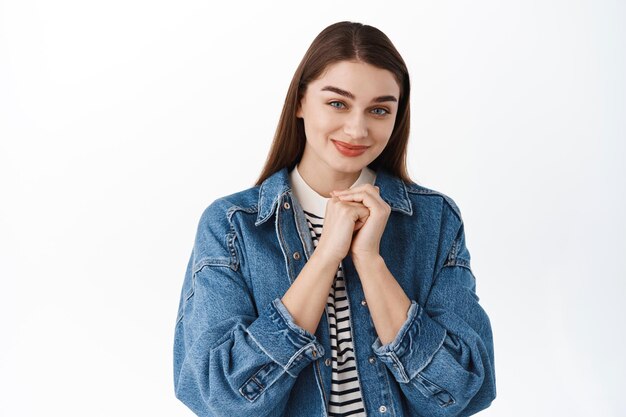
<point x="349" y="114"/>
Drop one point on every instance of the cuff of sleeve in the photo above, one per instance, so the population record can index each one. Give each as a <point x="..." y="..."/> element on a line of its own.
<point x="280" y="338"/>
<point x="417" y="341"/>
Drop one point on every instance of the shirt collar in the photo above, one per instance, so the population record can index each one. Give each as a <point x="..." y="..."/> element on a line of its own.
<point x="311" y="200"/>
<point x="392" y="190"/>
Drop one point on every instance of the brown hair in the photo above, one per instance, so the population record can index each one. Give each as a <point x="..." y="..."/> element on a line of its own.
<point x="342" y="41"/>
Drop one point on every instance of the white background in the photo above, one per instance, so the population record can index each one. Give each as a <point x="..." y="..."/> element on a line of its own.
<point x="120" y="121"/>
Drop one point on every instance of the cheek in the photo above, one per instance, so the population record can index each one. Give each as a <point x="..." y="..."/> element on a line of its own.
<point x="324" y="116"/>
<point x="383" y="131"/>
<point x="318" y="130"/>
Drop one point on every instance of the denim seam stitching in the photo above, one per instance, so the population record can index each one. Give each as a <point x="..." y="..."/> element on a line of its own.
<point x="230" y="238"/>
<point x="240" y="256"/>
<point x="234" y="208"/>
<point x="393" y="407"/>
<point x="280" y="243"/>
<point x="459" y="262"/>
<point x="435" y="394"/>
<point x="400" y="368"/>
<point x="295" y="358"/>
<point x="300" y="233"/>
<point x="223" y="262"/>
<point x="263" y="349"/>
<point x="429" y="192"/>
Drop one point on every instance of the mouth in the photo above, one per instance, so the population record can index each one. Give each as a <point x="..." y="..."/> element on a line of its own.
<point x="351" y="147"/>
<point x="349" y="150"/>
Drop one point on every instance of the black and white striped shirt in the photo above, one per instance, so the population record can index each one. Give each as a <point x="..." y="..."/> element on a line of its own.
<point x="345" y="399"/>
<point x="345" y="392"/>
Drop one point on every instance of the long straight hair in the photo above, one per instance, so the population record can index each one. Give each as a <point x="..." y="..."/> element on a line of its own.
<point x="342" y="41"/>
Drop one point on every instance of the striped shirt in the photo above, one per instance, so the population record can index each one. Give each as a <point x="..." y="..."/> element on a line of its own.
<point x="345" y="398"/>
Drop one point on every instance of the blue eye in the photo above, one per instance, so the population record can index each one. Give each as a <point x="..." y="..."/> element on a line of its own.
<point x="382" y="114"/>
<point x="379" y="111"/>
<point x="336" y="102"/>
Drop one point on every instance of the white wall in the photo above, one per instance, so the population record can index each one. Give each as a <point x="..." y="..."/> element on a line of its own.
<point x="121" y="121"/>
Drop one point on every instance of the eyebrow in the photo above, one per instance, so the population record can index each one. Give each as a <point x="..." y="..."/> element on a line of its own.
<point x="351" y="96"/>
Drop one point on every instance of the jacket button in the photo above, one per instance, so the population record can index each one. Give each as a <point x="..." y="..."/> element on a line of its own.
<point x="296" y="255"/>
<point x="363" y="303"/>
<point x="372" y="359"/>
<point x="327" y="362"/>
<point x="286" y="205"/>
<point x="314" y="353"/>
<point x="382" y="409"/>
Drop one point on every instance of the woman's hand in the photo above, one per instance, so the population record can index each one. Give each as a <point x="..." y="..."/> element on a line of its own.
<point x="341" y="220"/>
<point x="354" y="222"/>
<point x="370" y="227"/>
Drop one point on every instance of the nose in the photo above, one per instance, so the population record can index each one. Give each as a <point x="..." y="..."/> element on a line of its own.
<point x="355" y="126"/>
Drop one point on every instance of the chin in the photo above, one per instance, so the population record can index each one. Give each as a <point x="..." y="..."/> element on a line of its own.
<point x="350" y="166"/>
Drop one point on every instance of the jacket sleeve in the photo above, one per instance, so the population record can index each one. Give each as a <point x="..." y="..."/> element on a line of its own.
<point x="229" y="359"/>
<point x="443" y="355"/>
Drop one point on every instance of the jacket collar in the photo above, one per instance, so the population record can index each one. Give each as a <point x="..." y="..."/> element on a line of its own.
<point x="392" y="190"/>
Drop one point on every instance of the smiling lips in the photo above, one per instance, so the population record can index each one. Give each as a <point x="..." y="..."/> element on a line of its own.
<point x="349" y="150"/>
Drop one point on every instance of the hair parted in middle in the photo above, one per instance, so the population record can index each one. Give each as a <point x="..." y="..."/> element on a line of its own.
<point x="342" y="41"/>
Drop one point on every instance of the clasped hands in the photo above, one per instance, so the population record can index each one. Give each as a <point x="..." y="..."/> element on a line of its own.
<point x="354" y="222"/>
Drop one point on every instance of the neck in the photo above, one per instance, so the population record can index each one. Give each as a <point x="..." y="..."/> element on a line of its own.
<point x="323" y="182"/>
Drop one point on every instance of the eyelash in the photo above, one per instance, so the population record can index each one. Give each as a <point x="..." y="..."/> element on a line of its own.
<point x="377" y="108"/>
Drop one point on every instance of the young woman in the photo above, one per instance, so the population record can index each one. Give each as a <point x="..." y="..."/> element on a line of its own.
<point x="336" y="286"/>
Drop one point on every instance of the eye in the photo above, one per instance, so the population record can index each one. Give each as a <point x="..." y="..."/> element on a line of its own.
<point x="336" y="102"/>
<point x="385" y="111"/>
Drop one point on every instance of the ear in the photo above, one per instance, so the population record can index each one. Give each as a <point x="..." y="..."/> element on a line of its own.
<point x="299" y="110"/>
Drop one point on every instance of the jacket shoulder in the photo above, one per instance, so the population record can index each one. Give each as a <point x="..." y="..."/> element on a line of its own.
<point x="435" y="204"/>
<point x="245" y="200"/>
<point x="422" y="192"/>
<point x="215" y="236"/>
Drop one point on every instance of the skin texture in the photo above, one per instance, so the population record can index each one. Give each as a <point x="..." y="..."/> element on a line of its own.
<point x="355" y="219"/>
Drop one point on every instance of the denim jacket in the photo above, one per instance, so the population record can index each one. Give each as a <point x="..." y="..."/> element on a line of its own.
<point x="239" y="352"/>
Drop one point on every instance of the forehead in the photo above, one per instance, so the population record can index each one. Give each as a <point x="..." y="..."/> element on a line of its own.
<point x="361" y="79"/>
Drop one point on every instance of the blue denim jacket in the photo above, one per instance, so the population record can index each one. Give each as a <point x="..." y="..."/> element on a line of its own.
<point x="238" y="351"/>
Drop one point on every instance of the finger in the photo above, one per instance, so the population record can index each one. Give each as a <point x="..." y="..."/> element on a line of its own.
<point x="371" y="201"/>
<point x="362" y="187"/>
<point x="368" y="189"/>
<point x="359" y="210"/>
